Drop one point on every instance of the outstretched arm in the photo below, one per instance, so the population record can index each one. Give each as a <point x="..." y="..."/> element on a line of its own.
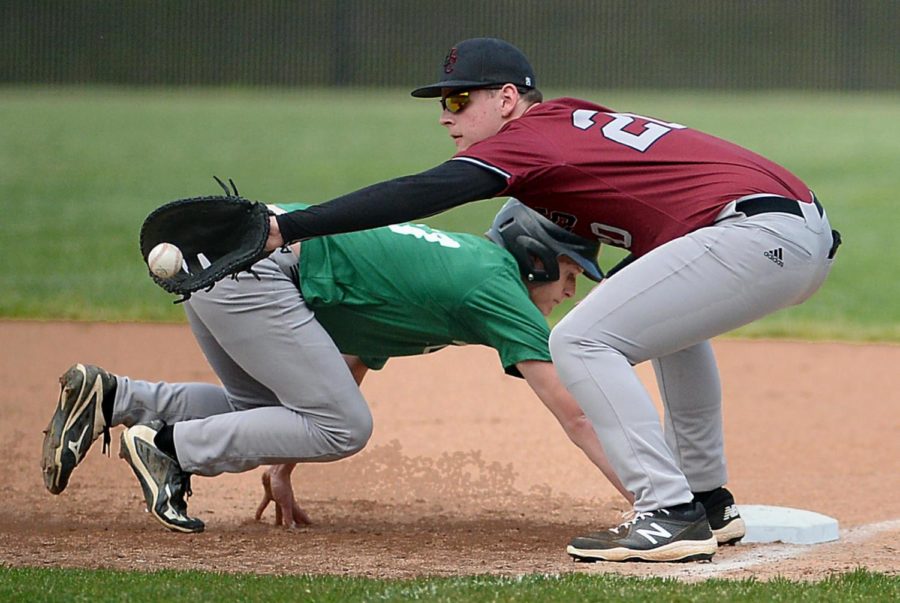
<point x="542" y="378"/>
<point x="408" y="198"/>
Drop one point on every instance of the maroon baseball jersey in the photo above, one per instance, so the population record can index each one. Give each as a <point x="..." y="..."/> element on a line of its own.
<point x="631" y="181"/>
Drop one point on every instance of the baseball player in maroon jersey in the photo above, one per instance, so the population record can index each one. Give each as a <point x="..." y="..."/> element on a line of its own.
<point x="718" y="237"/>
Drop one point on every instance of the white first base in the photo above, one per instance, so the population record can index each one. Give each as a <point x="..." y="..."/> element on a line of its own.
<point x="784" y="524"/>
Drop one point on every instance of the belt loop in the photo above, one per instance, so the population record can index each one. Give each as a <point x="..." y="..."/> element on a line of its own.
<point x="813" y="216"/>
<point x="818" y="205"/>
<point x="835" y="243"/>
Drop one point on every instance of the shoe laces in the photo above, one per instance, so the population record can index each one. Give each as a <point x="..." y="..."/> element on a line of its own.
<point x="107" y="391"/>
<point x="106" y="440"/>
<point x="183" y="491"/>
<point x="632" y="517"/>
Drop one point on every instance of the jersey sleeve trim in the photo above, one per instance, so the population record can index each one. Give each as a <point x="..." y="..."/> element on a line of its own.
<point x="484" y="165"/>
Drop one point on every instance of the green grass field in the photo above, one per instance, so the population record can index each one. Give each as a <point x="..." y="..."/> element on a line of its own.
<point x="81" y="168"/>
<point x="87" y="585"/>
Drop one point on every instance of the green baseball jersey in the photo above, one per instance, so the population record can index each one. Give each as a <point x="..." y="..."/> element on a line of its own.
<point x="408" y="289"/>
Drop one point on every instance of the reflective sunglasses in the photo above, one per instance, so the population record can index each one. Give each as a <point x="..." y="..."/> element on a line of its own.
<point x="457" y="101"/>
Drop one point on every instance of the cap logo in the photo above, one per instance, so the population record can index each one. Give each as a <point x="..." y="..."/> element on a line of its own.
<point x="527" y="81"/>
<point x="450" y="60"/>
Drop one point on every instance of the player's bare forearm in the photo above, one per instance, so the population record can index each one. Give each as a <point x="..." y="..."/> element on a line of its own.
<point x="583" y="435"/>
<point x="274" y="241"/>
<point x="543" y="379"/>
<point x="357" y="367"/>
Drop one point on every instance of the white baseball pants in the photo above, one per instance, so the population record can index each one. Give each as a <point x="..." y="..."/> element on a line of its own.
<point x="286" y="396"/>
<point x="665" y="307"/>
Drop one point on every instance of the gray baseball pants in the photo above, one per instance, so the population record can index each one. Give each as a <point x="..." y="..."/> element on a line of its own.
<point x="665" y="307"/>
<point x="286" y="395"/>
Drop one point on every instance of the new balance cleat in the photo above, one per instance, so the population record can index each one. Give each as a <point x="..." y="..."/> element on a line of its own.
<point x="164" y="483"/>
<point x="76" y="423"/>
<point x="723" y="515"/>
<point x="679" y="533"/>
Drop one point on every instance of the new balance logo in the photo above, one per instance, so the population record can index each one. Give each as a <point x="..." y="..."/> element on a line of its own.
<point x="776" y="255"/>
<point x="657" y="530"/>
<point x="731" y="512"/>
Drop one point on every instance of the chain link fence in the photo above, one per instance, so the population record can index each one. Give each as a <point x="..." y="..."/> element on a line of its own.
<point x="659" y="44"/>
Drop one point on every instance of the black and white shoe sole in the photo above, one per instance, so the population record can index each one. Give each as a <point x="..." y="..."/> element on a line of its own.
<point x="77" y="395"/>
<point x="129" y="452"/>
<point x="731" y="533"/>
<point x="678" y="551"/>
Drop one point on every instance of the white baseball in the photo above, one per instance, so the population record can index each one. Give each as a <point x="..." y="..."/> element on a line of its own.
<point x="165" y="260"/>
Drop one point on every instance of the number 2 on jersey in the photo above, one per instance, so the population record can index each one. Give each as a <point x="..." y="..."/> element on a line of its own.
<point x="583" y="119"/>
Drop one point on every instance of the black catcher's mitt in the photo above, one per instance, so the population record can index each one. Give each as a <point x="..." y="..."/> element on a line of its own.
<point x="225" y="233"/>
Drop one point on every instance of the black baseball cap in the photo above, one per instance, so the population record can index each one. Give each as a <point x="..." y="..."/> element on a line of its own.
<point x="480" y="62"/>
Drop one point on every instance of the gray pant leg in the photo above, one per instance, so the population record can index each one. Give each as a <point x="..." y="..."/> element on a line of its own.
<point x="680" y="295"/>
<point x="692" y="395"/>
<point x="242" y="390"/>
<point x="622" y="413"/>
<point x="143" y="401"/>
<point x="315" y="411"/>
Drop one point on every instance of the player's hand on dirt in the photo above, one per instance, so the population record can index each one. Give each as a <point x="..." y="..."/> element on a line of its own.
<point x="277" y="488"/>
<point x="274" y="241"/>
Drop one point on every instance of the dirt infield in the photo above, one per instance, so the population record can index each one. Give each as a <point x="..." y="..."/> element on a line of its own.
<point x="466" y="472"/>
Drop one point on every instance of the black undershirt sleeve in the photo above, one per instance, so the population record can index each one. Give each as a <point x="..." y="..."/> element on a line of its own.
<point x="408" y="198"/>
<point x="624" y="263"/>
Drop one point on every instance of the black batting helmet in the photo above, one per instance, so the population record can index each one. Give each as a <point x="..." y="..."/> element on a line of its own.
<point x="527" y="234"/>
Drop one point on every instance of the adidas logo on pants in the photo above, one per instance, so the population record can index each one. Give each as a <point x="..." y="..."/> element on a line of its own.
<point x="776" y="255"/>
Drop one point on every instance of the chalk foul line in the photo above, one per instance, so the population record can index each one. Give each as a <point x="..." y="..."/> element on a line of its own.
<point x="770" y="553"/>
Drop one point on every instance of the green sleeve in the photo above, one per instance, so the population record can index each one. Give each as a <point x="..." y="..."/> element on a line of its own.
<point x="498" y="313"/>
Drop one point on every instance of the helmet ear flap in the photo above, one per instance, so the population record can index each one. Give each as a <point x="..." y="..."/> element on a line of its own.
<point x="531" y="248"/>
<point x="526" y="234"/>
